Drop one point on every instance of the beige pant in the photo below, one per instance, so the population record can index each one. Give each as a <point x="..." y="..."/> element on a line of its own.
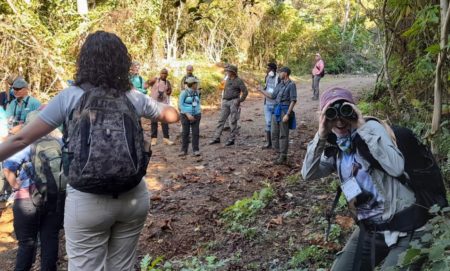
<point x="232" y="110"/>
<point x="102" y="232"/>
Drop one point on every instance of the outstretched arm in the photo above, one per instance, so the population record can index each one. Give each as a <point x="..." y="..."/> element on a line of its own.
<point x="30" y="132"/>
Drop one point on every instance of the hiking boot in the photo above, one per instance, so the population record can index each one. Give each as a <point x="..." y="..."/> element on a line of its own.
<point x="214" y="141"/>
<point x="282" y="160"/>
<point x="168" y="142"/>
<point x="182" y="154"/>
<point x="154" y="141"/>
<point x="268" y="140"/>
<point x="196" y="153"/>
<point x="229" y="143"/>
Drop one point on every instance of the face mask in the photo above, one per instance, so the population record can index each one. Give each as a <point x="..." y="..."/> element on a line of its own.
<point x="271" y="74"/>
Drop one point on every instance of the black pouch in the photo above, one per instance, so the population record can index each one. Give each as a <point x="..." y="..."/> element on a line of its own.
<point x="66" y="159"/>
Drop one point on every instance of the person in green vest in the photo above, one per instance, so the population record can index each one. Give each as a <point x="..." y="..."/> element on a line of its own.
<point x="136" y="80"/>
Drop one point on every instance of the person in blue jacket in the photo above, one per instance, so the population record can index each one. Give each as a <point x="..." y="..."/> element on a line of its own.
<point x="190" y="109"/>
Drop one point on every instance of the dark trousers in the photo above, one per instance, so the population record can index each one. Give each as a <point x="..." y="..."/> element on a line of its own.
<point x="187" y="125"/>
<point x="28" y="223"/>
<point x="280" y="135"/>
<point x="374" y="248"/>
<point x="165" y="129"/>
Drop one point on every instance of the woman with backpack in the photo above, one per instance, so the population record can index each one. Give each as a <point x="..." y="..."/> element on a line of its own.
<point x="189" y="104"/>
<point x="104" y="157"/>
<point x="379" y="202"/>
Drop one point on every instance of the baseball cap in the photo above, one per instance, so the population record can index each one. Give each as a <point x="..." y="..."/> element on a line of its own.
<point x="20" y="83"/>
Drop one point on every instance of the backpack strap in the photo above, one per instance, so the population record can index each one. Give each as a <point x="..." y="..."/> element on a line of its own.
<point x="331" y="212"/>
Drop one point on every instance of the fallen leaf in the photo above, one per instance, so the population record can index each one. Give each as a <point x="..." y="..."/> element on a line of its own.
<point x="155" y="198"/>
<point x="167" y="225"/>
<point x="345" y="221"/>
<point x="322" y="196"/>
<point x="199" y="167"/>
<point x="275" y="221"/>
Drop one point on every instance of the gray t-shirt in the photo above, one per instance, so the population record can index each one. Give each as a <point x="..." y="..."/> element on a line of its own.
<point x="57" y="110"/>
<point x="285" y="92"/>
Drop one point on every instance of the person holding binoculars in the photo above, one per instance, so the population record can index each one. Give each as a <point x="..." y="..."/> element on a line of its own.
<point x="374" y="196"/>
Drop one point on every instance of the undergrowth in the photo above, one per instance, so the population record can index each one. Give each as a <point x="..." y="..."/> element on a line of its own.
<point x="239" y="216"/>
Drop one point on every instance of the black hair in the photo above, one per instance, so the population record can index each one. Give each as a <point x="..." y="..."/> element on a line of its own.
<point x="104" y="61"/>
<point x="272" y="66"/>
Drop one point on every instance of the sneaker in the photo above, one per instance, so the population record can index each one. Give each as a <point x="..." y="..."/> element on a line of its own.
<point x="154" y="141"/>
<point x="196" y="153"/>
<point x="168" y="142"/>
<point x="214" y="141"/>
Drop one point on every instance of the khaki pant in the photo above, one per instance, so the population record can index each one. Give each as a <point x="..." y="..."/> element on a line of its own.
<point x="102" y="232"/>
<point x="229" y="108"/>
<point x="280" y="135"/>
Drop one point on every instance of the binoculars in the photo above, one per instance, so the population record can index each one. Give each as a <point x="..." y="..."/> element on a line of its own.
<point x="340" y="110"/>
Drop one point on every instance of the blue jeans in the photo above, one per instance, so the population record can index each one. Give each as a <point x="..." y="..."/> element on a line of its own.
<point x="268" y="110"/>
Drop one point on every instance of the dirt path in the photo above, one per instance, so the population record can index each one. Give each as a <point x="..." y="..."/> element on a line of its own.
<point x="187" y="195"/>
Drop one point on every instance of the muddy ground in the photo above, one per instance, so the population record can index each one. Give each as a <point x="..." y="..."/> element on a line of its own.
<point x="189" y="194"/>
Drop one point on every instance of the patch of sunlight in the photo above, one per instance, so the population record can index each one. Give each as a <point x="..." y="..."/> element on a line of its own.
<point x="7" y="241"/>
<point x="153" y="184"/>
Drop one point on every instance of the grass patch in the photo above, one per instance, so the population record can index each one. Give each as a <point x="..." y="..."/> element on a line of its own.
<point x="242" y="213"/>
<point x="307" y="256"/>
<point x="207" y="263"/>
<point x="293" y="179"/>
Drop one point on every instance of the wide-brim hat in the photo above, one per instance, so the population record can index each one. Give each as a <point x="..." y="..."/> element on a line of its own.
<point x="231" y="68"/>
<point x="191" y="80"/>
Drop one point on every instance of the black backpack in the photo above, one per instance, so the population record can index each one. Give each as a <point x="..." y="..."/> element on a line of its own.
<point x="104" y="143"/>
<point x="423" y="177"/>
<point x="423" y="174"/>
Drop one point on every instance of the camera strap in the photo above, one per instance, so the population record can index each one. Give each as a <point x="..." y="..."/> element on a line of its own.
<point x="24" y="105"/>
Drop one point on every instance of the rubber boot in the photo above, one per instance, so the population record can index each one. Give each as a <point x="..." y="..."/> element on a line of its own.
<point x="282" y="160"/>
<point x="268" y="140"/>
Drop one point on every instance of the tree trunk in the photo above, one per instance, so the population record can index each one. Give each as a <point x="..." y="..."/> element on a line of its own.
<point x="438" y="80"/>
<point x="386" y="52"/>
<point x="346" y="17"/>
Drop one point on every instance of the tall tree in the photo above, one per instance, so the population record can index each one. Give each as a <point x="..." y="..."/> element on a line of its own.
<point x="439" y="76"/>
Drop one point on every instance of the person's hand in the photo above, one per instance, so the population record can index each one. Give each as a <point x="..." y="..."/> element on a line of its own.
<point x="285" y="118"/>
<point x="190" y="117"/>
<point x="14" y="130"/>
<point x="359" y="117"/>
<point x="238" y="102"/>
<point x="325" y="125"/>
